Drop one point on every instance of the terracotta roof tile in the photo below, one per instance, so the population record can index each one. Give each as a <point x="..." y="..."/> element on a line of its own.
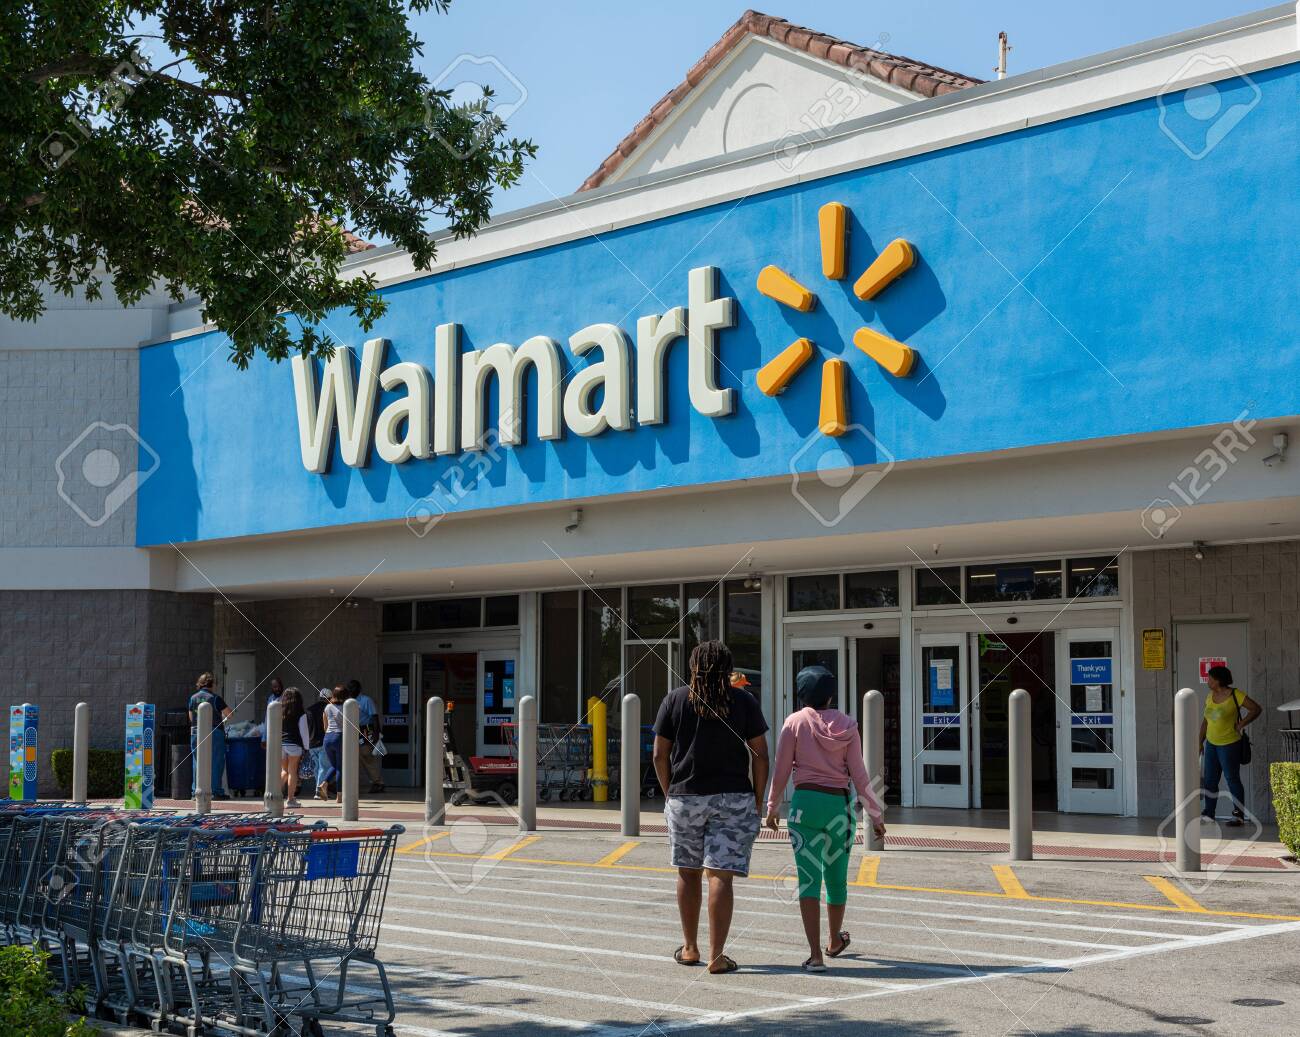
<point x="914" y="76"/>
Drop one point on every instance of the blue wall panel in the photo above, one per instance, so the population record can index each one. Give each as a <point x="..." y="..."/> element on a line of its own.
<point x="1078" y="280"/>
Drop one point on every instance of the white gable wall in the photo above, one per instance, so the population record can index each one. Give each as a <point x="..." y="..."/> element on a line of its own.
<point x="762" y="92"/>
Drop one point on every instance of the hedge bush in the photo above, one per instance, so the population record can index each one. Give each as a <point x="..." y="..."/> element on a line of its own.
<point x="1286" y="803"/>
<point x="28" y="1002"/>
<point x="105" y="773"/>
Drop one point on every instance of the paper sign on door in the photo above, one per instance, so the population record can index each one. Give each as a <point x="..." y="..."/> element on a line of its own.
<point x="1207" y="662"/>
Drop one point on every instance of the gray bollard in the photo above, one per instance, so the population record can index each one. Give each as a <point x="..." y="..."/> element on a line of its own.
<point x="630" y="766"/>
<point x="80" y="752"/>
<point x="435" y="806"/>
<point x="1021" y="787"/>
<point x="272" y="796"/>
<point x="873" y="756"/>
<point x="203" y="758"/>
<point x="351" y="759"/>
<point x="1187" y="822"/>
<point x="527" y="718"/>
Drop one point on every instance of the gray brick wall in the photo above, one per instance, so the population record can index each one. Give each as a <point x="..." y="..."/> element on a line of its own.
<point x="324" y="640"/>
<point x="48" y="399"/>
<point x="1258" y="581"/>
<point x="107" y="648"/>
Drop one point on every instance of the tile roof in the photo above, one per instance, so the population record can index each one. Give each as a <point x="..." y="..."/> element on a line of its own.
<point x="915" y="76"/>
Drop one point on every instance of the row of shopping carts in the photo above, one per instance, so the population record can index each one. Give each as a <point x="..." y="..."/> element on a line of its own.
<point x="207" y="924"/>
<point x="565" y="760"/>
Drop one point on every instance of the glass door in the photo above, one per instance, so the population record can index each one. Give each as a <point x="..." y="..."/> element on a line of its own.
<point x="496" y="700"/>
<point x="941" y="760"/>
<point x="395" y="708"/>
<point x="1089" y="774"/>
<point x="818" y="651"/>
<point x="653" y="670"/>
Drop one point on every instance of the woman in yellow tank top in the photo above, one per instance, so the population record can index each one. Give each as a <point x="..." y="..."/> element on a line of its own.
<point x="1227" y="712"/>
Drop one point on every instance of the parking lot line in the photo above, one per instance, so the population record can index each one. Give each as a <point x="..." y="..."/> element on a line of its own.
<point x="867" y="871"/>
<point x="424" y="842"/>
<point x="513" y="848"/>
<point x="1010" y="884"/>
<point x="614" y="856"/>
<point x="1175" y="895"/>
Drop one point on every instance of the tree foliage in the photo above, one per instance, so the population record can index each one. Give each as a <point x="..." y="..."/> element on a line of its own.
<point x="220" y="148"/>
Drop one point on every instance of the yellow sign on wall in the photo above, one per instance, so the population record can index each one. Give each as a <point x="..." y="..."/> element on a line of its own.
<point x="1153" y="649"/>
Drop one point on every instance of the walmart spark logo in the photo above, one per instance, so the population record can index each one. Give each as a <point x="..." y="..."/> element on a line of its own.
<point x="898" y="359"/>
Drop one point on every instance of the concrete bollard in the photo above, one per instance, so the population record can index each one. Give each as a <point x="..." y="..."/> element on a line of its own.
<point x="272" y="796"/>
<point x="527" y="718"/>
<point x="80" y="753"/>
<point x="435" y="805"/>
<point x="630" y="766"/>
<point x="203" y="758"/>
<point x="598" y="718"/>
<point x="1021" y="785"/>
<point x="351" y="759"/>
<point x="1187" y="822"/>
<point x="873" y="757"/>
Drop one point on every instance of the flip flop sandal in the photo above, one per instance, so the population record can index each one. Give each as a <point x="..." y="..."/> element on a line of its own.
<point x="728" y="965"/>
<point x="813" y="966"/>
<point x="845" y="940"/>
<point x="677" y="957"/>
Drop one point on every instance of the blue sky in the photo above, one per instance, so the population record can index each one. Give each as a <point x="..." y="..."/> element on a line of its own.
<point x="587" y="71"/>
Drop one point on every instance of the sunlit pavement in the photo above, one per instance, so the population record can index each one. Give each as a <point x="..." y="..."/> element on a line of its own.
<point x="559" y="932"/>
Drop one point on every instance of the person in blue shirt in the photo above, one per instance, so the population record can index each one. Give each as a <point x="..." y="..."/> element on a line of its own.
<point x="205" y="691"/>
<point x="369" y="719"/>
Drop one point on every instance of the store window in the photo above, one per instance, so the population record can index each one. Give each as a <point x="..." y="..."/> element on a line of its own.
<point x="501" y="610"/>
<point x="448" y="613"/>
<point x="1013" y="581"/>
<point x="819" y="592"/>
<point x="743" y="630"/>
<point x="702" y="619"/>
<point x="559" y="648"/>
<point x="602" y="639"/>
<point x="1094" y="577"/>
<point x="654" y="612"/>
<point x="396" y="617"/>
<point x="938" y="586"/>
<point x="874" y="590"/>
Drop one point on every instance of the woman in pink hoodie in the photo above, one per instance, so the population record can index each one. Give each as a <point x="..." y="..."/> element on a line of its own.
<point x="822" y="748"/>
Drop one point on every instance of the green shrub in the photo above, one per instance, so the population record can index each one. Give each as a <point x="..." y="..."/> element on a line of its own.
<point x="28" y="1002"/>
<point x="1286" y="803"/>
<point x="105" y="773"/>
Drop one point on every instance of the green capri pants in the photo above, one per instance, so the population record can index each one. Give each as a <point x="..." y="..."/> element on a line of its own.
<point x="821" y="834"/>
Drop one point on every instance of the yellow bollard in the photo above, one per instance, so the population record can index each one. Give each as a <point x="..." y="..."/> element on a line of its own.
<point x="597" y="716"/>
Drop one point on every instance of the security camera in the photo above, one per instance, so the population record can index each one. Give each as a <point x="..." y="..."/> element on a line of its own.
<point x="1280" y="442"/>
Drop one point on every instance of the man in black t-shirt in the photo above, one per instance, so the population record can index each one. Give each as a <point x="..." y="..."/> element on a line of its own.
<point x="710" y="756"/>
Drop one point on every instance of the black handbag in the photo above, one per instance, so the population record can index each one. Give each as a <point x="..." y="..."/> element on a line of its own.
<point x="1246" y="751"/>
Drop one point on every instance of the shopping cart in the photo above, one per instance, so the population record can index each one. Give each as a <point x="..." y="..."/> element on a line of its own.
<point x="563" y="762"/>
<point x="649" y="782"/>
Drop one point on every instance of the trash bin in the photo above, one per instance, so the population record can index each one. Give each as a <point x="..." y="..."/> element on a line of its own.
<point x="245" y="766"/>
<point x="179" y="770"/>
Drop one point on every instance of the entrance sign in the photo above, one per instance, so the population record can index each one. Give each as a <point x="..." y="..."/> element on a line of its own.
<point x="24" y="725"/>
<point x="1090" y="671"/>
<point x="446" y="413"/>
<point x="1153" y="648"/>
<point x="139" y="756"/>
<point x="1208" y="662"/>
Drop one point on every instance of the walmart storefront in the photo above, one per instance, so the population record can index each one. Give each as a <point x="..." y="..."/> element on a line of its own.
<point x="965" y="397"/>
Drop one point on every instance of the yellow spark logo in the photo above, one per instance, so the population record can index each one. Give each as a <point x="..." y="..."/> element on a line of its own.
<point x="897" y="258"/>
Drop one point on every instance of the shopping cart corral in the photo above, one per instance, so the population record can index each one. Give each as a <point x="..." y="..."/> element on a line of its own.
<point x="220" y="924"/>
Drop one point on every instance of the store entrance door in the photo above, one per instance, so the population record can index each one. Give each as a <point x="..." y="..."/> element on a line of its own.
<point x="942" y="776"/>
<point x="1006" y="661"/>
<point x="453" y="677"/>
<point x="818" y="651"/>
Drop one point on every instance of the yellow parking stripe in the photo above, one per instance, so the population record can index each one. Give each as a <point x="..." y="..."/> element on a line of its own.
<point x="515" y="847"/>
<point x="867" y="871"/>
<point x="614" y="856"/>
<point x="1010" y="884"/>
<point x="424" y="842"/>
<point x="1175" y="895"/>
<point x="880" y="885"/>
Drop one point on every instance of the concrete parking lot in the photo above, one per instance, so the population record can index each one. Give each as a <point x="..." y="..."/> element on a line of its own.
<point x="573" y="932"/>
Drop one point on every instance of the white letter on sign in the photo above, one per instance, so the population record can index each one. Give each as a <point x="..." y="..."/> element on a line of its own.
<point x="654" y="334"/>
<point x="610" y="371"/>
<point x="510" y="366"/>
<point x="411" y="411"/>
<point x="707" y="315"/>
<point x="339" y="399"/>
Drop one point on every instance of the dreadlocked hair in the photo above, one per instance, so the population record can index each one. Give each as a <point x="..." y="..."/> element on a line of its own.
<point x="710" y="691"/>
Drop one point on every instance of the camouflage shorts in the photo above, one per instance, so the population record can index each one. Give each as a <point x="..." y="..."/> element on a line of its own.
<point x="715" y="831"/>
